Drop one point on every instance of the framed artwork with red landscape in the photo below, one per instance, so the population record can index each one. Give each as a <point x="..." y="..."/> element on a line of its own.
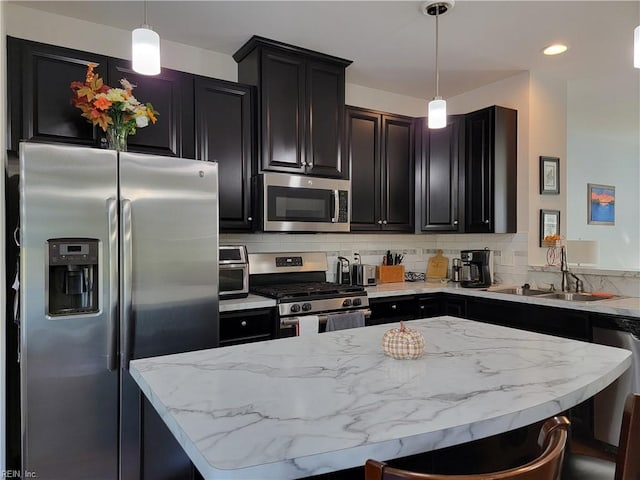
<point x="601" y="204"/>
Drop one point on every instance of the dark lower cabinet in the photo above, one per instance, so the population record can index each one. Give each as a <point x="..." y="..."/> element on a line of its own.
<point x="39" y="93"/>
<point x="437" y="176"/>
<point x="247" y="326"/>
<point x="171" y="94"/>
<point x="380" y="149"/>
<point x="224" y="134"/>
<point x="392" y="309"/>
<point x="489" y="184"/>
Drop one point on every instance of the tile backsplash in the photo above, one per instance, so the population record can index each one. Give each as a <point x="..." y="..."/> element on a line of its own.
<point x="510" y="255"/>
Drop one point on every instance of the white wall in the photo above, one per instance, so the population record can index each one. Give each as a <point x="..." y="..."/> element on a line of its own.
<point x="603" y="142"/>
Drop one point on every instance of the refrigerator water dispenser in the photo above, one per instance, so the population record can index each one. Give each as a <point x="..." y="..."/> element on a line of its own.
<point x="73" y="276"/>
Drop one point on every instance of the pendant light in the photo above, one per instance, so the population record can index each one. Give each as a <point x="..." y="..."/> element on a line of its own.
<point x="145" y="49"/>
<point x="437" y="115"/>
<point x="636" y="47"/>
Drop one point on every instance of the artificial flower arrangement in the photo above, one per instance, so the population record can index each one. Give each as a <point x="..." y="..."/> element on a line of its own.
<point x="111" y="107"/>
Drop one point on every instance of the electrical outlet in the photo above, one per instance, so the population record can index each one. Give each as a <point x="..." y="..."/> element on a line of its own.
<point x="507" y="257"/>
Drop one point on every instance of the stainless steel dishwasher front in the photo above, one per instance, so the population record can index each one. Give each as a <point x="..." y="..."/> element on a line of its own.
<point x="609" y="404"/>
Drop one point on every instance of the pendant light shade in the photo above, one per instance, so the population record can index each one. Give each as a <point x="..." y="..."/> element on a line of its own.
<point x="437" y="114"/>
<point x="636" y="47"/>
<point x="145" y="49"/>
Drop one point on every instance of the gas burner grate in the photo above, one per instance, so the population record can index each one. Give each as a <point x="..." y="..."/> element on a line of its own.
<point x="303" y="290"/>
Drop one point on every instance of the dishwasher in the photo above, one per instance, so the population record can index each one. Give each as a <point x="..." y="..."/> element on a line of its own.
<point x="608" y="405"/>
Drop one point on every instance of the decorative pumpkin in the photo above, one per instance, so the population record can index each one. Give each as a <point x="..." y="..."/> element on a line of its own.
<point x="403" y="342"/>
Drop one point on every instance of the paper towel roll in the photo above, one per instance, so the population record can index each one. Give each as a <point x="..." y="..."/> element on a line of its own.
<point x="308" y="325"/>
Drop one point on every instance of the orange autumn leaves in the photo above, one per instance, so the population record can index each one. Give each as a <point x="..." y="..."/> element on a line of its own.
<point x="106" y="106"/>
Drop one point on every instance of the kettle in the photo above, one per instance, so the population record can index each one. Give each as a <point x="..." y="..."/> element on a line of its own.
<point x="343" y="273"/>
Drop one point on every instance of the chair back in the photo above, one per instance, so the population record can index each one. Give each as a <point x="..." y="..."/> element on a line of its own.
<point x="547" y="466"/>
<point x="628" y="459"/>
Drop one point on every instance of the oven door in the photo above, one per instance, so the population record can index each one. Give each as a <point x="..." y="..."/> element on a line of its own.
<point x="234" y="280"/>
<point x="293" y="203"/>
<point x="288" y="325"/>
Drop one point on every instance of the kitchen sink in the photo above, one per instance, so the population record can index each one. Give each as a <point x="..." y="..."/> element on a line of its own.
<point x="522" y="291"/>
<point x="573" y="297"/>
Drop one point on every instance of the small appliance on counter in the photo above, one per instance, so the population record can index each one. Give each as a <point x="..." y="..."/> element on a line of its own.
<point x="456" y="270"/>
<point x="477" y="268"/>
<point x="343" y="271"/>
<point x="233" y="265"/>
<point x="363" y="275"/>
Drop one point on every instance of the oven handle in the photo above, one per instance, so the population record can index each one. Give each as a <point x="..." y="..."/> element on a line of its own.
<point x="292" y="321"/>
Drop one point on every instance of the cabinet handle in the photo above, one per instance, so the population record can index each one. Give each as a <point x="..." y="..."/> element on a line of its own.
<point x="379" y="222"/>
<point x="486" y="221"/>
<point x="384" y="222"/>
<point x="455" y="222"/>
<point x="394" y="307"/>
<point x="243" y="323"/>
<point x="250" y="219"/>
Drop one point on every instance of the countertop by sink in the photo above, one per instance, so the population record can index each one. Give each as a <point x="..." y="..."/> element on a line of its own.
<point x="627" y="306"/>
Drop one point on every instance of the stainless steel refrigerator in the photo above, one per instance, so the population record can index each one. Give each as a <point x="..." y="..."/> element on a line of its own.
<point x="119" y="260"/>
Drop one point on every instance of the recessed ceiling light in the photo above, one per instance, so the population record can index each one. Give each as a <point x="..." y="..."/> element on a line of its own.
<point x="555" y="49"/>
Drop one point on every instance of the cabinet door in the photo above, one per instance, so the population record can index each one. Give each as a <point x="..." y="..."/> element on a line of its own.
<point x="430" y="307"/>
<point x="398" y="173"/>
<point x="438" y="182"/>
<point x="224" y="119"/>
<point x="363" y="153"/>
<point x="325" y="110"/>
<point x="479" y="172"/>
<point x="45" y="107"/>
<point x="171" y="94"/>
<point x="282" y="111"/>
<point x="394" y="309"/>
<point x="247" y="326"/>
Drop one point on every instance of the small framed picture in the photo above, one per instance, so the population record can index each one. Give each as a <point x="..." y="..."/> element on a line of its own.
<point x="549" y="175"/>
<point x="549" y="225"/>
<point x="601" y="204"/>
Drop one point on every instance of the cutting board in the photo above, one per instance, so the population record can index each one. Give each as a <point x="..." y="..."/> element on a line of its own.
<point x="438" y="266"/>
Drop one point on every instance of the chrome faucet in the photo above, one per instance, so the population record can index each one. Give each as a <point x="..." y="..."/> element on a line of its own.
<point x="564" y="286"/>
<point x="579" y="284"/>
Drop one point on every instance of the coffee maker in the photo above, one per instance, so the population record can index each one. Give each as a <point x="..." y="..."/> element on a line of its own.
<point x="477" y="268"/>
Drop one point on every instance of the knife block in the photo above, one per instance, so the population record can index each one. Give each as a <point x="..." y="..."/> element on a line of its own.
<point x="390" y="273"/>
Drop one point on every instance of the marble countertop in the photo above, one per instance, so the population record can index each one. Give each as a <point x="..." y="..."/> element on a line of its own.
<point x="247" y="303"/>
<point x="301" y="406"/>
<point x="628" y="306"/>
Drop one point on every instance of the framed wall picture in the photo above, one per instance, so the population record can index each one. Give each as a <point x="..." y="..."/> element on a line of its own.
<point x="549" y="225"/>
<point x="549" y="175"/>
<point x="601" y="204"/>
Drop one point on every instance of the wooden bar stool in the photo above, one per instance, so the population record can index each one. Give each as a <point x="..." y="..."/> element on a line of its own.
<point x="627" y="464"/>
<point x="547" y="466"/>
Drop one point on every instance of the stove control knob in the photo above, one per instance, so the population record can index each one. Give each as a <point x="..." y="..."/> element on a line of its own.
<point x="295" y="308"/>
<point x="356" y="302"/>
<point x="306" y="307"/>
<point x="346" y="303"/>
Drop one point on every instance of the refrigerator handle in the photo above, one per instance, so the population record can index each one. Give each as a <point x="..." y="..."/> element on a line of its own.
<point x="126" y="303"/>
<point x="112" y="315"/>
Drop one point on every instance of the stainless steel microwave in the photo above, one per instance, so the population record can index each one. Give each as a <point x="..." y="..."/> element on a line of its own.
<point x="233" y="268"/>
<point x="298" y="203"/>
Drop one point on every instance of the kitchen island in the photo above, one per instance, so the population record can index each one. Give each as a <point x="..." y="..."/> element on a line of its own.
<point x="302" y="406"/>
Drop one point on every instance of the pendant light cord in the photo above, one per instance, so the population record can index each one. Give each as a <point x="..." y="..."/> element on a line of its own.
<point x="145" y="13"/>
<point x="437" y="66"/>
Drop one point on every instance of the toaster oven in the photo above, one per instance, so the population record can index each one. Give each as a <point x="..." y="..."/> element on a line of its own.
<point x="233" y="265"/>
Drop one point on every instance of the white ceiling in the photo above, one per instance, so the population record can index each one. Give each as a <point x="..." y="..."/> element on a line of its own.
<point x="392" y="43"/>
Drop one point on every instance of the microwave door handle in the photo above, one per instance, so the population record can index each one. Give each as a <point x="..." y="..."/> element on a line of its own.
<point x="336" y="206"/>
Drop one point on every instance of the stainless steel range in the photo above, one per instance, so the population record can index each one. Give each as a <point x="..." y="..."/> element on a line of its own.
<point x="297" y="281"/>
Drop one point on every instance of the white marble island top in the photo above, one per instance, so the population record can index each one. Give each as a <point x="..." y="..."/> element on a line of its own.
<point x="301" y="406"/>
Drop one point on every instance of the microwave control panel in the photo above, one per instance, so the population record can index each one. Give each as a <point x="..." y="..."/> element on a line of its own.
<point x="343" y="206"/>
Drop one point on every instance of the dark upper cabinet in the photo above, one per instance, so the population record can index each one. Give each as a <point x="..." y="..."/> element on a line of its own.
<point x="489" y="184"/>
<point x="39" y="93"/>
<point x="437" y="176"/>
<point x="380" y="151"/>
<point x="224" y="134"/>
<point x="171" y="94"/>
<point x="40" y="109"/>
<point x="300" y="106"/>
